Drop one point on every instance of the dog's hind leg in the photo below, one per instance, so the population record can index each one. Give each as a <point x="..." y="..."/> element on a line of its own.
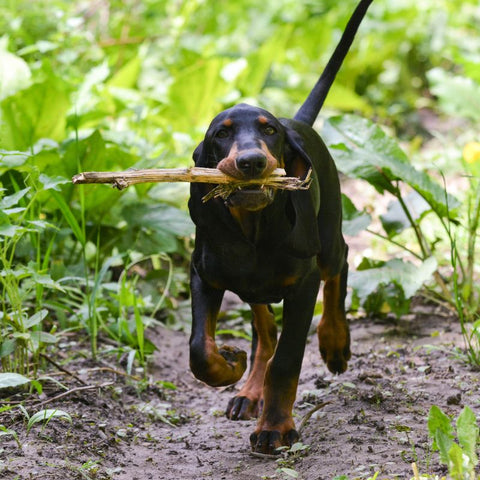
<point x="333" y="331"/>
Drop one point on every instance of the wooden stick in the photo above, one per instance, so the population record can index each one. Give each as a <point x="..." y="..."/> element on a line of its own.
<point x="124" y="179"/>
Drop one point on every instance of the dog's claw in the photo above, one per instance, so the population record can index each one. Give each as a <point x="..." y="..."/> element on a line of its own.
<point x="337" y="361"/>
<point x="242" y="408"/>
<point x="233" y="355"/>
<point x="270" y="442"/>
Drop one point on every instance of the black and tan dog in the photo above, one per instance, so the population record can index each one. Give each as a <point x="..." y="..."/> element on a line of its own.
<point x="267" y="247"/>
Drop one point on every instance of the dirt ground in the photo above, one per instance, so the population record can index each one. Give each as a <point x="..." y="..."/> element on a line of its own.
<point x="375" y="419"/>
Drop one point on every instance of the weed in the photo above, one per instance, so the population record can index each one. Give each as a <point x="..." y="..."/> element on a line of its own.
<point x="45" y="416"/>
<point x="7" y="432"/>
<point x="455" y="441"/>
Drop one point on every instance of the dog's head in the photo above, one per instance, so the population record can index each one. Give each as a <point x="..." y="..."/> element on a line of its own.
<point x="246" y="143"/>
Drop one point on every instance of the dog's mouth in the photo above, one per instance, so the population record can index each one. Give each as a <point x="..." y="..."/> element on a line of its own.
<point x="251" y="198"/>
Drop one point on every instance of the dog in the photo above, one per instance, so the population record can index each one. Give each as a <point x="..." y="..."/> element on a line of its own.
<point x="267" y="246"/>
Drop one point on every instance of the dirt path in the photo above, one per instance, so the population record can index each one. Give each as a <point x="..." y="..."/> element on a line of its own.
<point x="375" y="419"/>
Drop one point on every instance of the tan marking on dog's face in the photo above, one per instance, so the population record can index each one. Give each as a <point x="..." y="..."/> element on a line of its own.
<point x="228" y="122"/>
<point x="263" y="120"/>
<point x="272" y="162"/>
<point x="228" y="165"/>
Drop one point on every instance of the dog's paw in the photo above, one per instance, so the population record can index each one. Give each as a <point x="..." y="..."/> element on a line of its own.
<point x="242" y="408"/>
<point x="269" y="442"/>
<point x="334" y="344"/>
<point x="220" y="367"/>
<point x="336" y="360"/>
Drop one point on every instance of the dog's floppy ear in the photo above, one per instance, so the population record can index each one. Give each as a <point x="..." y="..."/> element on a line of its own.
<point x="297" y="160"/>
<point x="304" y="239"/>
<point x="198" y="154"/>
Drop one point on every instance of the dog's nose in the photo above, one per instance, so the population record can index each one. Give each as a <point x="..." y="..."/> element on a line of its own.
<point x="251" y="164"/>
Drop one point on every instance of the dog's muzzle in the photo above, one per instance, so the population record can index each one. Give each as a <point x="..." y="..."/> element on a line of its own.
<point x="251" y="198"/>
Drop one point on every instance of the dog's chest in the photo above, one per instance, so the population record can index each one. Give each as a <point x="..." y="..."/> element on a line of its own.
<point x="257" y="274"/>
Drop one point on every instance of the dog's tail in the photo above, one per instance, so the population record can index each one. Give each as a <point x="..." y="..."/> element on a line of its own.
<point x="310" y="109"/>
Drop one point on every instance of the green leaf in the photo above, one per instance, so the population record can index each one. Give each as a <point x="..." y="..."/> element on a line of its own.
<point x="252" y="79"/>
<point x="52" y="182"/>
<point x="69" y="216"/>
<point x="9" y="380"/>
<point x="35" y="319"/>
<point x="11" y="200"/>
<point x="395" y="219"/>
<point x="387" y="298"/>
<point x="7" y="347"/>
<point x="343" y="97"/>
<point x="127" y="76"/>
<point x="14" y="74"/>
<point x="405" y="274"/>
<point x="4" y="432"/>
<point x="466" y="98"/>
<point x="43" y="278"/>
<point x="455" y="462"/>
<point x="194" y="94"/>
<point x="12" y="159"/>
<point x="34" y="113"/>
<point x="441" y="431"/>
<point x="353" y="221"/>
<point x="468" y="434"/>
<point x="43" y="337"/>
<point x="155" y="228"/>
<point x="86" y="98"/>
<point x="8" y="230"/>
<point x="289" y="471"/>
<point x="362" y="150"/>
<point x="46" y="416"/>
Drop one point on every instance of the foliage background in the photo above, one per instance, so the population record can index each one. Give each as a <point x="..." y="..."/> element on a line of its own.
<point x="97" y="85"/>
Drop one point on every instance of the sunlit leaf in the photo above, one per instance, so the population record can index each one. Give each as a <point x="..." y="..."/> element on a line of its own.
<point x="353" y="221"/>
<point x="441" y="431"/>
<point x="36" y="112"/>
<point x="35" y="319"/>
<point x="362" y="150"/>
<point x="253" y="77"/>
<point x="14" y="74"/>
<point x="194" y="94"/>
<point x="52" y="182"/>
<point x="10" y="379"/>
<point x="407" y="275"/>
<point x="127" y="76"/>
<point x="12" y="159"/>
<point x="468" y="433"/>
<point x="10" y="200"/>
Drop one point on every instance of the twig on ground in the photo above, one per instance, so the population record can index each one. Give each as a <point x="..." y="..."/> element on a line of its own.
<point x="73" y="390"/>
<point x="115" y="371"/>
<point x="308" y="415"/>
<point x="63" y="369"/>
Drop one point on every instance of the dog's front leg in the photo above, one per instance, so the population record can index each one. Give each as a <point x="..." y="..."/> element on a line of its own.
<point x="210" y="364"/>
<point x="248" y="402"/>
<point x="276" y="427"/>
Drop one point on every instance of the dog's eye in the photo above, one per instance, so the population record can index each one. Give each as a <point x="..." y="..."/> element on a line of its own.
<point x="223" y="133"/>
<point x="270" y="130"/>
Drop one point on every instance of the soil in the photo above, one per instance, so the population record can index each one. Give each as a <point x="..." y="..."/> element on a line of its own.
<point x="373" y="418"/>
